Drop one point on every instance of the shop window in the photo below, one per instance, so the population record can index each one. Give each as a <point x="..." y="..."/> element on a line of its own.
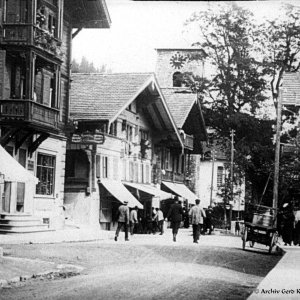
<point x="45" y="173"/>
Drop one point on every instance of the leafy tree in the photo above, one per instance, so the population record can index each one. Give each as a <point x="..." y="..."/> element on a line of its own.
<point x="233" y="96"/>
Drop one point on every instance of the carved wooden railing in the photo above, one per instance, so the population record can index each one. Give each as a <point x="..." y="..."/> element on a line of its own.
<point x="28" y="111"/>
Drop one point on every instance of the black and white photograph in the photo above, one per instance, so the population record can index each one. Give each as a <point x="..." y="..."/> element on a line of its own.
<point x="149" y="150"/>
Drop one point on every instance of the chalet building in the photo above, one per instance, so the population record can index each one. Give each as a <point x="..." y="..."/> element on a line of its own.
<point x="185" y="108"/>
<point x="122" y="146"/>
<point x="207" y="172"/>
<point x="35" y="54"/>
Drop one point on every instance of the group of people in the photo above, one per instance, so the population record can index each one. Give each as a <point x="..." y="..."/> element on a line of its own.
<point x="129" y="219"/>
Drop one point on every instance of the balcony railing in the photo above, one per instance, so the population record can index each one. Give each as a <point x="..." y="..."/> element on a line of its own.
<point x="171" y="176"/>
<point x="188" y="141"/>
<point x="28" y="34"/>
<point x="12" y="111"/>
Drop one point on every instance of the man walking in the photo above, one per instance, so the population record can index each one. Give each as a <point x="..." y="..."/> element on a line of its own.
<point x="175" y="214"/>
<point x="197" y="214"/>
<point x="123" y="220"/>
<point x="133" y="219"/>
<point x="159" y="217"/>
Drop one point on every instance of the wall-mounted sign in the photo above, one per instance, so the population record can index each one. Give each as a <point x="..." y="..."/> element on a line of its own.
<point x="30" y="165"/>
<point x="88" y="138"/>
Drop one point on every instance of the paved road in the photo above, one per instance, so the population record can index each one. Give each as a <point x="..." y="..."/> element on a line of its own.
<point x="147" y="267"/>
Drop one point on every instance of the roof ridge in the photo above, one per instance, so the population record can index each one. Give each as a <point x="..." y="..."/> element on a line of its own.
<point x="120" y="73"/>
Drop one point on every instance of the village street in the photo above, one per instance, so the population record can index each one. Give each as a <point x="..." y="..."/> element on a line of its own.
<point x="147" y="267"/>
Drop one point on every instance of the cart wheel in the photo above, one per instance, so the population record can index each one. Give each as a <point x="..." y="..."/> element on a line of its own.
<point x="252" y="244"/>
<point x="273" y="242"/>
<point x="245" y="238"/>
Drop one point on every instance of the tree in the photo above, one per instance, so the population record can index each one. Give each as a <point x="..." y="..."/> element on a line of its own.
<point x="232" y="98"/>
<point x="88" y="67"/>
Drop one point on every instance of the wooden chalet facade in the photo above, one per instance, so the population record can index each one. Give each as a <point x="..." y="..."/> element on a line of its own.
<point x="140" y="146"/>
<point x="35" y="55"/>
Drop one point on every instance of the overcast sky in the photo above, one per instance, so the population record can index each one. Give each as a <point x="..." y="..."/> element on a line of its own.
<point x="139" y="27"/>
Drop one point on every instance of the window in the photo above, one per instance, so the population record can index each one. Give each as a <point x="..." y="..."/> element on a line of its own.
<point x="113" y="129"/>
<point x="45" y="174"/>
<point x="104" y="166"/>
<point x="17" y="11"/>
<point x="177" y="79"/>
<point x="220" y="176"/>
<point x="167" y="159"/>
<point x="129" y="132"/>
<point x="144" y="135"/>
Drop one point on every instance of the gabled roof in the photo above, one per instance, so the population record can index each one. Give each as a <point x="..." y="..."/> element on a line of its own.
<point x="104" y="96"/>
<point x="180" y="103"/>
<point x="187" y="113"/>
<point x="291" y="88"/>
<point x="87" y="13"/>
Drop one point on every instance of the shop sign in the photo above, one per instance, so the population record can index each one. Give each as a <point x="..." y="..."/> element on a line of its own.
<point x="88" y="138"/>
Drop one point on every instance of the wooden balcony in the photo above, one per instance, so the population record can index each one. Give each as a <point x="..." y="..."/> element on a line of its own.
<point x="171" y="176"/>
<point x="26" y="112"/>
<point x="188" y="141"/>
<point x="31" y="35"/>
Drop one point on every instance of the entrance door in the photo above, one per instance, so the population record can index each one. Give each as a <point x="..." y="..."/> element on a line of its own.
<point x="6" y="197"/>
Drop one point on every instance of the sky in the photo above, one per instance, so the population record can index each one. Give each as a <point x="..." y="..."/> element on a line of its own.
<point x="138" y="27"/>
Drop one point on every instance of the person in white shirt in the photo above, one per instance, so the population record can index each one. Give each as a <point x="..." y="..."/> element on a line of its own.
<point x="159" y="217"/>
<point x="133" y="219"/>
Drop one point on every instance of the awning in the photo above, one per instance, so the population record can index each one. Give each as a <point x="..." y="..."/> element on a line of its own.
<point x="181" y="190"/>
<point x="12" y="170"/>
<point x="149" y="189"/>
<point x="119" y="191"/>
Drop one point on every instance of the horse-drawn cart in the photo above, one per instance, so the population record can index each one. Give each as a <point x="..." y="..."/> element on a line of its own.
<point x="260" y="226"/>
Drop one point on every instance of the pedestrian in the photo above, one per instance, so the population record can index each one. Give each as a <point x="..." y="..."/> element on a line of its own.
<point x="208" y="220"/>
<point x="133" y="219"/>
<point x="288" y="219"/>
<point x="175" y="214"/>
<point x="123" y="220"/>
<point x="159" y="217"/>
<point x="237" y="226"/>
<point x="296" y="235"/>
<point x="197" y="216"/>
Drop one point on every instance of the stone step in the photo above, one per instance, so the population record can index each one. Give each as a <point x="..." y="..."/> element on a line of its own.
<point x="28" y="222"/>
<point x="17" y="217"/>
<point x="23" y="229"/>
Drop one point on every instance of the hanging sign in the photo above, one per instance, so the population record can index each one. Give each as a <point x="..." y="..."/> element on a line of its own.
<point x="88" y="138"/>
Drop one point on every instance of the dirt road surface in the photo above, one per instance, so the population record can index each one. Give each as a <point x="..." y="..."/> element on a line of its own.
<point x="145" y="270"/>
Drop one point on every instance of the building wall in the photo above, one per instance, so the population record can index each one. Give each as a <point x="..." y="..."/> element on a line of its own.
<point x="51" y="206"/>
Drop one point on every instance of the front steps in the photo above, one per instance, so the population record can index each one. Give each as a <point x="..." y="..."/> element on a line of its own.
<point x="21" y="223"/>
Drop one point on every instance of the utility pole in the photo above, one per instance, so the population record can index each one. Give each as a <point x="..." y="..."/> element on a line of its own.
<point x="212" y="177"/>
<point x="277" y="150"/>
<point x="232" y="134"/>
